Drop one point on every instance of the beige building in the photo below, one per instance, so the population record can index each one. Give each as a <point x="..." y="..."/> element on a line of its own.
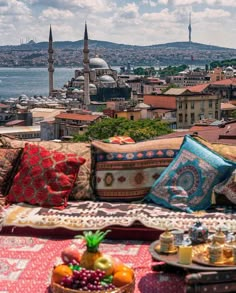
<point x="69" y="124"/>
<point x="194" y="104"/>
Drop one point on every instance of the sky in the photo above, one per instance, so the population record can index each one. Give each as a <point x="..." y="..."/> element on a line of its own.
<point x="137" y="22"/>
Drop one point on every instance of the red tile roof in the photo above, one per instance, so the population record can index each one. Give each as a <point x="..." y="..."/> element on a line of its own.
<point x="199" y="88"/>
<point x="81" y="117"/>
<point x="225" y="134"/>
<point x="226" y="82"/>
<point x="160" y="101"/>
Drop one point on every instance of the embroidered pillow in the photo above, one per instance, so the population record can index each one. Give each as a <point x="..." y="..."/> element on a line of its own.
<point x="119" y="140"/>
<point x="227" y="188"/>
<point x="187" y="183"/>
<point x="127" y="172"/>
<point x="82" y="188"/>
<point x="9" y="160"/>
<point x="44" y="177"/>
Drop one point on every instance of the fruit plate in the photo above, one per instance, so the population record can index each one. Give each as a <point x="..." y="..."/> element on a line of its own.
<point x="129" y="288"/>
<point x="201" y="256"/>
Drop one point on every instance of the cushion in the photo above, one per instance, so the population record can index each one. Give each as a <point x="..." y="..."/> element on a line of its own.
<point x="226" y="189"/>
<point x="44" y="177"/>
<point x="127" y="172"/>
<point x="225" y="150"/>
<point x="188" y="181"/>
<point x="119" y="140"/>
<point x="9" y="160"/>
<point x="82" y="189"/>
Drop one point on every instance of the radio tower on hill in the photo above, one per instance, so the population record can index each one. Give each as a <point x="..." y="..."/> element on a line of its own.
<point x="50" y="62"/>
<point x="190" y="29"/>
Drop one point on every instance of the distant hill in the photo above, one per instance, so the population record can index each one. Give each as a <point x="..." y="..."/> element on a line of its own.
<point x="110" y="45"/>
<point x="176" y="53"/>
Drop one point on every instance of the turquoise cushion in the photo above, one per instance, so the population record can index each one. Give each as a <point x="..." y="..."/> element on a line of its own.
<point x="187" y="183"/>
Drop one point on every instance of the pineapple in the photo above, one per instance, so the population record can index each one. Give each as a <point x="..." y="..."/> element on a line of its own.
<point x="92" y="240"/>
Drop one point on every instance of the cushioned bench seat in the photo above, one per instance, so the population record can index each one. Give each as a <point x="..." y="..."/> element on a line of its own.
<point x="133" y="221"/>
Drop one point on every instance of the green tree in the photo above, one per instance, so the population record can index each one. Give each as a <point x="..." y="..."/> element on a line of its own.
<point x="138" y="130"/>
<point x="139" y="71"/>
<point x="233" y="114"/>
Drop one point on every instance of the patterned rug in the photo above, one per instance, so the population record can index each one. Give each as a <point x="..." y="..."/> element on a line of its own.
<point x="26" y="264"/>
<point x="87" y="215"/>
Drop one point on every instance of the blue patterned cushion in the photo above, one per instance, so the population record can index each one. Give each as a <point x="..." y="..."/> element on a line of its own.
<point x="187" y="183"/>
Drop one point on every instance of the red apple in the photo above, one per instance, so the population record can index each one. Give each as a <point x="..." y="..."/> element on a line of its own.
<point x="71" y="254"/>
<point x="104" y="263"/>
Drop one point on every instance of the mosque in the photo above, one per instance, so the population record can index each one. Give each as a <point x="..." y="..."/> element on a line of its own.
<point x="95" y="82"/>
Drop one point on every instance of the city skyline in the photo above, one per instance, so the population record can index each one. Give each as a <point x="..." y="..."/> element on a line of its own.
<point x="137" y="22"/>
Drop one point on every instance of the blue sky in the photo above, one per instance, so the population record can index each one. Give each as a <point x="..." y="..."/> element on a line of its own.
<point x="137" y="22"/>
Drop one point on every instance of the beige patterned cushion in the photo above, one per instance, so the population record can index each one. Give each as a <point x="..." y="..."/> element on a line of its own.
<point x="227" y="151"/>
<point x="127" y="172"/>
<point x="82" y="189"/>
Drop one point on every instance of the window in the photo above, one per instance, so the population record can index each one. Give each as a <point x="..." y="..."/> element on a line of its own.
<point x="192" y="118"/>
<point x="180" y="118"/>
<point x="180" y="105"/>
<point x="192" y="104"/>
<point x="216" y="114"/>
<point x="186" y="105"/>
<point x="210" y="103"/>
<point x="131" y="117"/>
<point x="217" y="104"/>
<point x="186" y="117"/>
<point x="210" y="115"/>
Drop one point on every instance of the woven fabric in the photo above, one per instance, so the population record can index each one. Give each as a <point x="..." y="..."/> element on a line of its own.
<point x="45" y="177"/>
<point x="188" y="181"/>
<point x="227" y="151"/>
<point x="82" y="189"/>
<point x="119" y="140"/>
<point x="127" y="172"/>
<point x="8" y="164"/>
<point x="227" y="188"/>
<point x="87" y="215"/>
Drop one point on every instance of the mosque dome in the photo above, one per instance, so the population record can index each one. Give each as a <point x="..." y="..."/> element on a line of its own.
<point x="98" y="63"/>
<point x="229" y="68"/>
<point x="92" y="86"/>
<point x="106" y="78"/>
<point x="80" y="78"/>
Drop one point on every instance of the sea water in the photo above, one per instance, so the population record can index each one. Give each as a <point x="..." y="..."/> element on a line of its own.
<point x="30" y="81"/>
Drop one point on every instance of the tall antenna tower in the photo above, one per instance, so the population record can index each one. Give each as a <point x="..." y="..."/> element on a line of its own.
<point x="190" y="29"/>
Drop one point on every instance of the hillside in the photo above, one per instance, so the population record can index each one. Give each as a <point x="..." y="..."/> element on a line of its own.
<point x="70" y="53"/>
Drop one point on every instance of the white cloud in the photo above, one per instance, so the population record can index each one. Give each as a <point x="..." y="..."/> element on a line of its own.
<point x="133" y="22"/>
<point x="55" y="14"/>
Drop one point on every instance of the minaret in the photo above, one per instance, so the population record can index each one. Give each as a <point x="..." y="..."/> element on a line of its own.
<point x="190" y="29"/>
<point x="50" y="62"/>
<point x="86" y="68"/>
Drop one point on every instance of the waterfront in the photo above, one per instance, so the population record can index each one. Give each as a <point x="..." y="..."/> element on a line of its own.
<point x="30" y="81"/>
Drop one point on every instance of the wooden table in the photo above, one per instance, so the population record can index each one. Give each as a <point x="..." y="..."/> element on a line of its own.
<point x="199" y="278"/>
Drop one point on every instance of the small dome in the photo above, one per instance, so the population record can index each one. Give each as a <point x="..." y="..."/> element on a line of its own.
<point x="229" y="68"/>
<point x="91" y="85"/>
<point x="106" y="78"/>
<point x="80" y="78"/>
<point x="98" y="63"/>
<point x="76" y="91"/>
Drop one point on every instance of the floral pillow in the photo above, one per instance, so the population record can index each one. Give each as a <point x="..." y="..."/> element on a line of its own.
<point x="187" y="183"/>
<point x="45" y="177"/>
<point x="227" y="188"/>
<point x="9" y="159"/>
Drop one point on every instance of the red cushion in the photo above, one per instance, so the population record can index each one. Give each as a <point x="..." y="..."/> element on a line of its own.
<point x="45" y="177"/>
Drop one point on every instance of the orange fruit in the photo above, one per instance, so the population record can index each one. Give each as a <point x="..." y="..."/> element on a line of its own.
<point x="119" y="267"/>
<point x="61" y="271"/>
<point x="122" y="278"/>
